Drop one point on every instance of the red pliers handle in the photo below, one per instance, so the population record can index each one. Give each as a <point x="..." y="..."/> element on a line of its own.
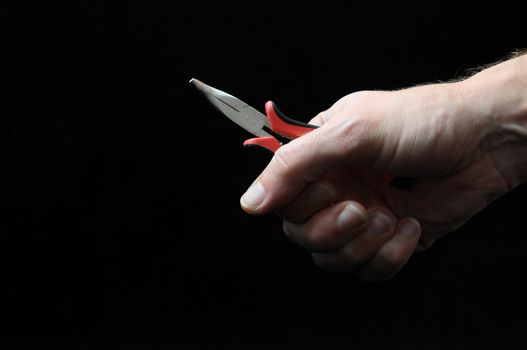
<point x="283" y="129"/>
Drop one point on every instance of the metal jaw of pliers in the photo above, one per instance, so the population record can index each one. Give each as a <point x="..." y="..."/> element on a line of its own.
<point x="272" y="130"/>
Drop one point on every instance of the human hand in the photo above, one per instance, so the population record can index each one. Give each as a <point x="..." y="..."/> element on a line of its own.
<point x="329" y="189"/>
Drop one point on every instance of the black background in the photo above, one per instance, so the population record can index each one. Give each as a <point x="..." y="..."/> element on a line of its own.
<point x="120" y="184"/>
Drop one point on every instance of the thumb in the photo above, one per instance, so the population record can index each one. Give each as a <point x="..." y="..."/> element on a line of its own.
<point x="301" y="161"/>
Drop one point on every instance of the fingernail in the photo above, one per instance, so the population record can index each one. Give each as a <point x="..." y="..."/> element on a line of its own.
<point x="320" y="194"/>
<point x="379" y="224"/>
<point x="350" y="217"/>
<point x="409" y="229"/>
<point x="254" y="196"/>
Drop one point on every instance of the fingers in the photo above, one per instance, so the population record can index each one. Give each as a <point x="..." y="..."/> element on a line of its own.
<point x="375" y="260"/>
<point x="355" y="253"/>
<point x="313" y="198"/>
<point x="330" y="228"/>
<point x="394" y="254"/>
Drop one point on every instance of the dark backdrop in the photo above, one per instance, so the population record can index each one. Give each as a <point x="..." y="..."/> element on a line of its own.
<point x="120" y="184"/>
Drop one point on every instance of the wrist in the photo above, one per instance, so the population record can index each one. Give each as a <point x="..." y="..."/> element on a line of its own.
<point x="498" y="95"/>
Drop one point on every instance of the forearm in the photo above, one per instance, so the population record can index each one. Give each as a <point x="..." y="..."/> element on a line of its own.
<point x="499" y="93"/>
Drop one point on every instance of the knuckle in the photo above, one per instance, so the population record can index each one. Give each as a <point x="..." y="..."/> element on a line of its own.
<point x="304" y="236"/>
<point x="319" y="119"/>
<point x="322" y="236"/>
<point x="353" y="256"/>
<point x="391" y="259"/>
<point x="282" y="162"/>
<point x="316" y="240"/>
<point x="360" y="132"/>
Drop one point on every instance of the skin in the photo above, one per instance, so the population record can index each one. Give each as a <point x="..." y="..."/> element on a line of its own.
<point x="464" y="143"/>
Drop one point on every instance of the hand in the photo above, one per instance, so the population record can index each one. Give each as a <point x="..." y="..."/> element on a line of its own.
<point x="328" y="185"/>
